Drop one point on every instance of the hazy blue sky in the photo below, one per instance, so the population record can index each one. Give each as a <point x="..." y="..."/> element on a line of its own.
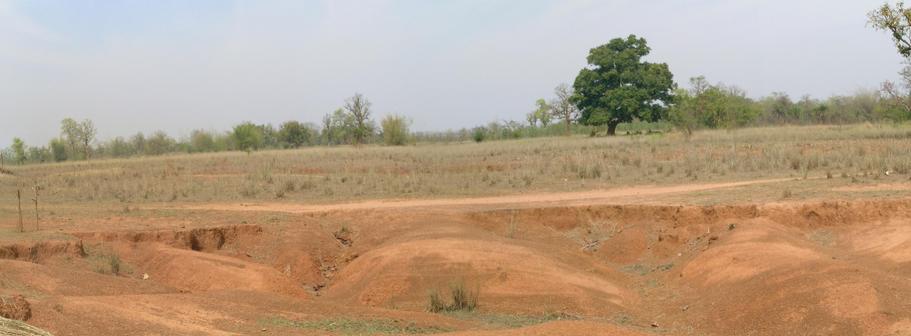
<point x="180" y="65"/>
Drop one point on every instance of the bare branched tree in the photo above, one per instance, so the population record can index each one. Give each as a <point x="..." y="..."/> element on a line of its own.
<point x="358" y="107"/>
<point x="900" y="94"/>
<point x="563" y="107"/>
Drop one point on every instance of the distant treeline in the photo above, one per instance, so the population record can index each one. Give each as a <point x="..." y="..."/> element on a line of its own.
<point x="701" y="106"/>
<point x="704" y="105"/>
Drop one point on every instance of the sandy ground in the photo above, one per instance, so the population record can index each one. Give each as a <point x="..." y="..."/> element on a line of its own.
<point x="606" y="262"/>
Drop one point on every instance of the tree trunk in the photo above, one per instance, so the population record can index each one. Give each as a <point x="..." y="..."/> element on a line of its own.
<point x="612" y="128"/>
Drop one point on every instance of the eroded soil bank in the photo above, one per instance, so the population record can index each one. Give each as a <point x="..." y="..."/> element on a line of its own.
<point x="827" y="268"/>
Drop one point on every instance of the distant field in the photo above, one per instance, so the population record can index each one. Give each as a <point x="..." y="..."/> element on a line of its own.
<point x="326" y="175"/>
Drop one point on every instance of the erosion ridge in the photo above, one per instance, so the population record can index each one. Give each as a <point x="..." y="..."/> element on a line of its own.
<point x="637" y="269"/>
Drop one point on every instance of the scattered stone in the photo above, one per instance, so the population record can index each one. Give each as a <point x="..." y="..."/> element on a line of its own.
<point x="145" y="276"/>
<point x="654" y="324"/>
<point x="732" y="226"/>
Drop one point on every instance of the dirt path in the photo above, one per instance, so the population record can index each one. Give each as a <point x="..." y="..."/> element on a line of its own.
<point x="524" y="199"/>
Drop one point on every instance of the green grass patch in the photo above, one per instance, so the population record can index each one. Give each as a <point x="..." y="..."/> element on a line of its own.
<point x="511" y="321"/>
<point x="345" y="326"/>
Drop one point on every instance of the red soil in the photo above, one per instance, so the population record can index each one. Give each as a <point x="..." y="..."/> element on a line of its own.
<point x="837" y="268"/>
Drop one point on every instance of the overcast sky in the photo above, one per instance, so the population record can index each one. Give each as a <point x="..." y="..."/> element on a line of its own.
<point x="181" y="65"/>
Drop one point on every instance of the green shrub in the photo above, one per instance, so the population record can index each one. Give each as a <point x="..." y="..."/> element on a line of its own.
<point x="395" y="130"/>
<point x="478" y="134"/>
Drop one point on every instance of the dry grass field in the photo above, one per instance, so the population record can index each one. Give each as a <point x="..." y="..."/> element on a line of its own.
<point x="652" y="234"/>
<point x="329" y="175"/>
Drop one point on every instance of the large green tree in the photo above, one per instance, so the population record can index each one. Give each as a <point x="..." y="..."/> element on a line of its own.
<point x="618" y="86"/>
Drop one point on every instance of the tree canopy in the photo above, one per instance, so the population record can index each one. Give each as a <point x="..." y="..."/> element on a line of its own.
<point x="618" y="86"/>
<point x="294" y="134"/>
<point x="358" y="107"/>
<point x="897" y="21"/>
<point x="247" y="136"/>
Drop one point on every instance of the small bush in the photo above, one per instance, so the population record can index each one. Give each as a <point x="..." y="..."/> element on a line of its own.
<point x="395" y="130"/>
<point x="461" y="299"/>
<point x="478" y="134"/>
<point x="290" y="186"/>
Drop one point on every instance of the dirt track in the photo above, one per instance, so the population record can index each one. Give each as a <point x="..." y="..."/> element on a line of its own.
<point x="613" y="196"/>
<point x="599" y="262"/>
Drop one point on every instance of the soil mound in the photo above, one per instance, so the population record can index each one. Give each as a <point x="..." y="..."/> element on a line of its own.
<point x="198" y="271"/>
<point x="510" y="277"/>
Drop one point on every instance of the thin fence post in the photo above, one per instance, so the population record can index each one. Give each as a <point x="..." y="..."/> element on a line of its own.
<point x="19" y="197"/>
<point x="37" y="226"/>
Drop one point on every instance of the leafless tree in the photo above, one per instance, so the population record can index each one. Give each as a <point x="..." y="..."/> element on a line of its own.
<point x="358" y="107"/>
<point x="900" y="94"/>
<point x="563" y="106"/>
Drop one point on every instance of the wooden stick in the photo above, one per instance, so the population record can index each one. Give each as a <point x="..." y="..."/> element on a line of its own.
<point x="19" y="197"/>
<point x="37" y="227"/>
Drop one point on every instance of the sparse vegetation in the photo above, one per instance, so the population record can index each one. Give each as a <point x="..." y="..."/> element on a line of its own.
<point x="348" y="326"/>
<point x="114" y="264"/>
<point x="460" y="298"/>
<point x="510" y="321"/>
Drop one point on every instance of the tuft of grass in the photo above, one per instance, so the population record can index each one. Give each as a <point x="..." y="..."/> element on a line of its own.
<point x="787" y="194"/>
<point x="114" y="264"/>
<point x="343" y="235"/>
<point x="461" y="298"/>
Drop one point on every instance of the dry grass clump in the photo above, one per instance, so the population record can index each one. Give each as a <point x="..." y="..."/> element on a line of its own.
<point x="461" y="299"/>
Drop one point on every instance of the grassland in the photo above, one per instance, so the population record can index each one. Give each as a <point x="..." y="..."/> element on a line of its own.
<point x="323" y="175"/>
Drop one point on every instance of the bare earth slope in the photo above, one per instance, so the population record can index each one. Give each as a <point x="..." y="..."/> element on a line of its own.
<point x="611" y="262"/>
